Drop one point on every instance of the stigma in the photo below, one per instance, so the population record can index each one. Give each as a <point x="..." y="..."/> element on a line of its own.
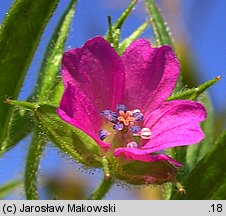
<point x="126" y="118"/>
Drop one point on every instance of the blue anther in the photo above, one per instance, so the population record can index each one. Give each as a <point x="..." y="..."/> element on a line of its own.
<point x="102" y="134"/>
<point x="110" y="116"/>
<point x="138" y="116"/>
<point x="135" y="129"/>
<point x="118" y="126"/>
<point x="121" y="107"/>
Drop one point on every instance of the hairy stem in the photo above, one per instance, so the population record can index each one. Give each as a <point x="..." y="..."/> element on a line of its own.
<point x="102" y="189"/>
<point x="105" y="184"/>
<point x="31" y="170"/>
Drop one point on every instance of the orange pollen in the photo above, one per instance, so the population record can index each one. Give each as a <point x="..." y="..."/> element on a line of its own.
<point x="125" y="118"/>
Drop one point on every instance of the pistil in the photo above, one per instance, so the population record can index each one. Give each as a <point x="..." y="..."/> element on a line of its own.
<point x="125" y="118"/>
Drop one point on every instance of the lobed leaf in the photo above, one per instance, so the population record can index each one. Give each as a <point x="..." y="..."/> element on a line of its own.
<point x="20" y="34"/>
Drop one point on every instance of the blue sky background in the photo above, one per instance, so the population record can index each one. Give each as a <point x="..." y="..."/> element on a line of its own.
<point x="201" y="23"/>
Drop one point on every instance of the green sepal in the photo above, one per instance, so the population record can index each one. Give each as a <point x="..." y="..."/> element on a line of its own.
<point x="192" y="94"/>
<point x="20" y="34"/>
<point x="113" y="34"/>
<point x="125" y="43"/>
<point x="69" y="139"/>
<point x="207" y="180"/>
<point x="144" y="173"/>
<point x="167" y="189"/>
<point x="8" y="188"/>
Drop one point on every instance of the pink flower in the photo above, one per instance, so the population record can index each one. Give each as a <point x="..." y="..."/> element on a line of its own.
<point x="120" y="102"/>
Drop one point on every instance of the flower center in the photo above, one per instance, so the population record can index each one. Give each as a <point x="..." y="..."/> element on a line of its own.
<point x="125" y="118"/>
<point x="126" y="127"/>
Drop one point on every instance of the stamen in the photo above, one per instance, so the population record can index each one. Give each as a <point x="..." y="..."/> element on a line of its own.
<point x="132" y="145"/>
<point x="127" y="122"/>
<point x="137" y="115"/>
<point x="118" y="126"/>
<point x="135" y="129"/>
<point x="103" y="134"/>
<point x="121" y="107"/>
<point x="110" y="116"/>
<point x="145" y="133"/>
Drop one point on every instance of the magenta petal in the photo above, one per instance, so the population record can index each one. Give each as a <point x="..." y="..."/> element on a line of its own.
<point x="76" y="109"/>
<point x="142" y="155"/>
<point x="176" y="123"/>
<point x="97" y="71"/>
<point x="151" y="74"/>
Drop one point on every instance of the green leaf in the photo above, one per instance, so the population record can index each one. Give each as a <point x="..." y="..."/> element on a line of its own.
<point x="192" y="94"/>
<point x="8" y="188"/>
<point x="20" y="126"/>
<point x="124" y="44"/>
<point x="20" y="34"/>
<point x="160" y="28"/>
<point x="113" y="34"/>
<point x="69" y="139"/>
<point x="161" y="32"/>
<point x="118" y="24"/>
<point x="32" y="163"/>
<point x="196" y="152"/>
<point x="54" y="52"/>
<point x="56" y="92"/>
<point x="207" y="179"/>
<point x="47" y="77"/>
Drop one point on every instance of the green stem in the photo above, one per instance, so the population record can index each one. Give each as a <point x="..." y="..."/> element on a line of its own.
<point x="31" y="170"/>
<point x="101" y="189"/>
<point x="106" y="183"/>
